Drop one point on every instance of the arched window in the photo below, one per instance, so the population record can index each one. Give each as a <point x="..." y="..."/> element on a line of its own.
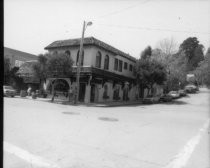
<point x="82" y="59"/>
<point x="98" y="60"/>
<point x="68" y="53"/>
<point x="106" y="62"/>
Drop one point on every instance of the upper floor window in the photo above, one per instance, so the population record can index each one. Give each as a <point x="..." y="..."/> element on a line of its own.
<point x="120" y="65"/>
<point x="68" y="53"/>
<point x="116" y="64"/>
<point x="131" y="67"/>
<point x="125" y="65"/>
<point x="82" y="59"/>
<point x="98" y="59"/>
<point x="106" y="62"/>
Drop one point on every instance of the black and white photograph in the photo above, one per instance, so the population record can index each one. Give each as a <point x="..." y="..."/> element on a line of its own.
<point x="106" y="84"/>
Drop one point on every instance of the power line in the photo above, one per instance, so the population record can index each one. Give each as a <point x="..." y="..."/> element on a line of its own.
<point x="121" y="10"/>
<point x="152" y="29"/>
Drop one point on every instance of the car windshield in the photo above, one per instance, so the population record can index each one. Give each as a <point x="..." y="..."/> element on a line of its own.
<point x="173" y="92"/>
<point x="8" y="87"/>
<point x="190" y="86"/>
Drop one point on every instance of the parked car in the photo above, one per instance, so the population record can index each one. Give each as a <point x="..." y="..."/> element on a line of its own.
<point x="150" y="100"/>
<point x="197" y="88"/>
<point x="174" y="94"/>
<point x="165" y="98"/>
<point x="182" y="93"/>
<point x="9" y="91"/>
<point x="190" y="88"/>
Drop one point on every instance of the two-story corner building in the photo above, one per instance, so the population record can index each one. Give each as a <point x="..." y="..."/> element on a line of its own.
<point x="107" y="74"/>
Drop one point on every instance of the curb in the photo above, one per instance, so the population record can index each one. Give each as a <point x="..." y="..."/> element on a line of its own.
<point x="111" y="104"/>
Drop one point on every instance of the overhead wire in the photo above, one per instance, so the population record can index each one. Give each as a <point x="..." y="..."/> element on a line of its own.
<point x="137" y="27"/>
<point x="140" y="28"/>
<point x="121" y="10"/>
<point x="152" y="29"/>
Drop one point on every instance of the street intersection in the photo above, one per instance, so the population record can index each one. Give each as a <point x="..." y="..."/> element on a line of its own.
<point x="171" y="135"/>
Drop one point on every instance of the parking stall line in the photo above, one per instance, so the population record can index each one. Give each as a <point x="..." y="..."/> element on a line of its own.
<point x="181" y="159"/>
<point x="28" y="157"/>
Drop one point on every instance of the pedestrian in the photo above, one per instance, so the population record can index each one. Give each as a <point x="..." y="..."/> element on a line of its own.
<point x="29" y="91"/>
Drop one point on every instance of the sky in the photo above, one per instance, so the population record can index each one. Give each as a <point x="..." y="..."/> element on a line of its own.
<point x="129" y="25"/>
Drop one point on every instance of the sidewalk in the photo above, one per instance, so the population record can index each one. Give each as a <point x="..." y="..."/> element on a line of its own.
<point x="100" y="104"/>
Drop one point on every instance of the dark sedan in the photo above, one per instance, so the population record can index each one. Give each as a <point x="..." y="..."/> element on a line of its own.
<point x="190" y="89"/>
<point x="182" y="93"/>
<point x="165" y="98"/>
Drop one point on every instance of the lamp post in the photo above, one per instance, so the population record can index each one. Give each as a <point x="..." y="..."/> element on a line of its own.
<point x="79" y="61"/>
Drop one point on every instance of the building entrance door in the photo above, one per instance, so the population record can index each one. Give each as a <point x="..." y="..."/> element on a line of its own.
<point x="82" y="92"/>
<point x="125" y="94"/>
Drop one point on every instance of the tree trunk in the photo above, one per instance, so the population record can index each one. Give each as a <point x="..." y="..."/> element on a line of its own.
<point x="141" y="91"/>
<point x="40" y="84"/>
<point x="152" y="90"/>
<point x="53" y="90"/>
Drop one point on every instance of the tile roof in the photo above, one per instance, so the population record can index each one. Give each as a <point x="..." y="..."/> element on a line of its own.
<point x="10" y="51"/>
<point x="89" y="41"/>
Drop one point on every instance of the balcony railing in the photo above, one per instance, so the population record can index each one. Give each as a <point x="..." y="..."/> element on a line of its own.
<point x="59" y="71"/>
<point x="82" y="69"/>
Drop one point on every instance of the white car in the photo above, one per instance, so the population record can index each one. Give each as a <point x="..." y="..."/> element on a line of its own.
<point x="9" y="91"/>
<point x="174" y="94"/>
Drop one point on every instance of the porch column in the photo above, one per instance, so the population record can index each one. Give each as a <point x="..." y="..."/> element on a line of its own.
<point x="46" y="85"/>
<point x="87" y="91"/>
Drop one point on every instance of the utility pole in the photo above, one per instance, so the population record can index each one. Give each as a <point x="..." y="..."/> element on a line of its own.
<point x="79" y="62"/>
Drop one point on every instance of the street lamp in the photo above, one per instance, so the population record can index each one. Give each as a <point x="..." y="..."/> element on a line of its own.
<point x="85" y="25"/>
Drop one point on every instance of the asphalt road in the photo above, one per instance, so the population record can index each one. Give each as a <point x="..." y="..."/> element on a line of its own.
<point x="43" y="134"/>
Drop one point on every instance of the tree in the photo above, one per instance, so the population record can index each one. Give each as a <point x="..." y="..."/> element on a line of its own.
<point x="168" y="46"/>
<point x="7" y="67"/>
<point x="10" y="76"/>
<point x="40" y="68"/>
<point x="202" y="72"/>
<point x="159" y="56"/>
<point x="15" y="80"/>
<point x="176" y="66"/>
<point x="146" y="54"/>
<point x="193" y="51"/>
<point x="53" y="65"/>
<point x="150" y="72"/>
<point x="59" y="65"/>
<point x="198" y="57"/>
